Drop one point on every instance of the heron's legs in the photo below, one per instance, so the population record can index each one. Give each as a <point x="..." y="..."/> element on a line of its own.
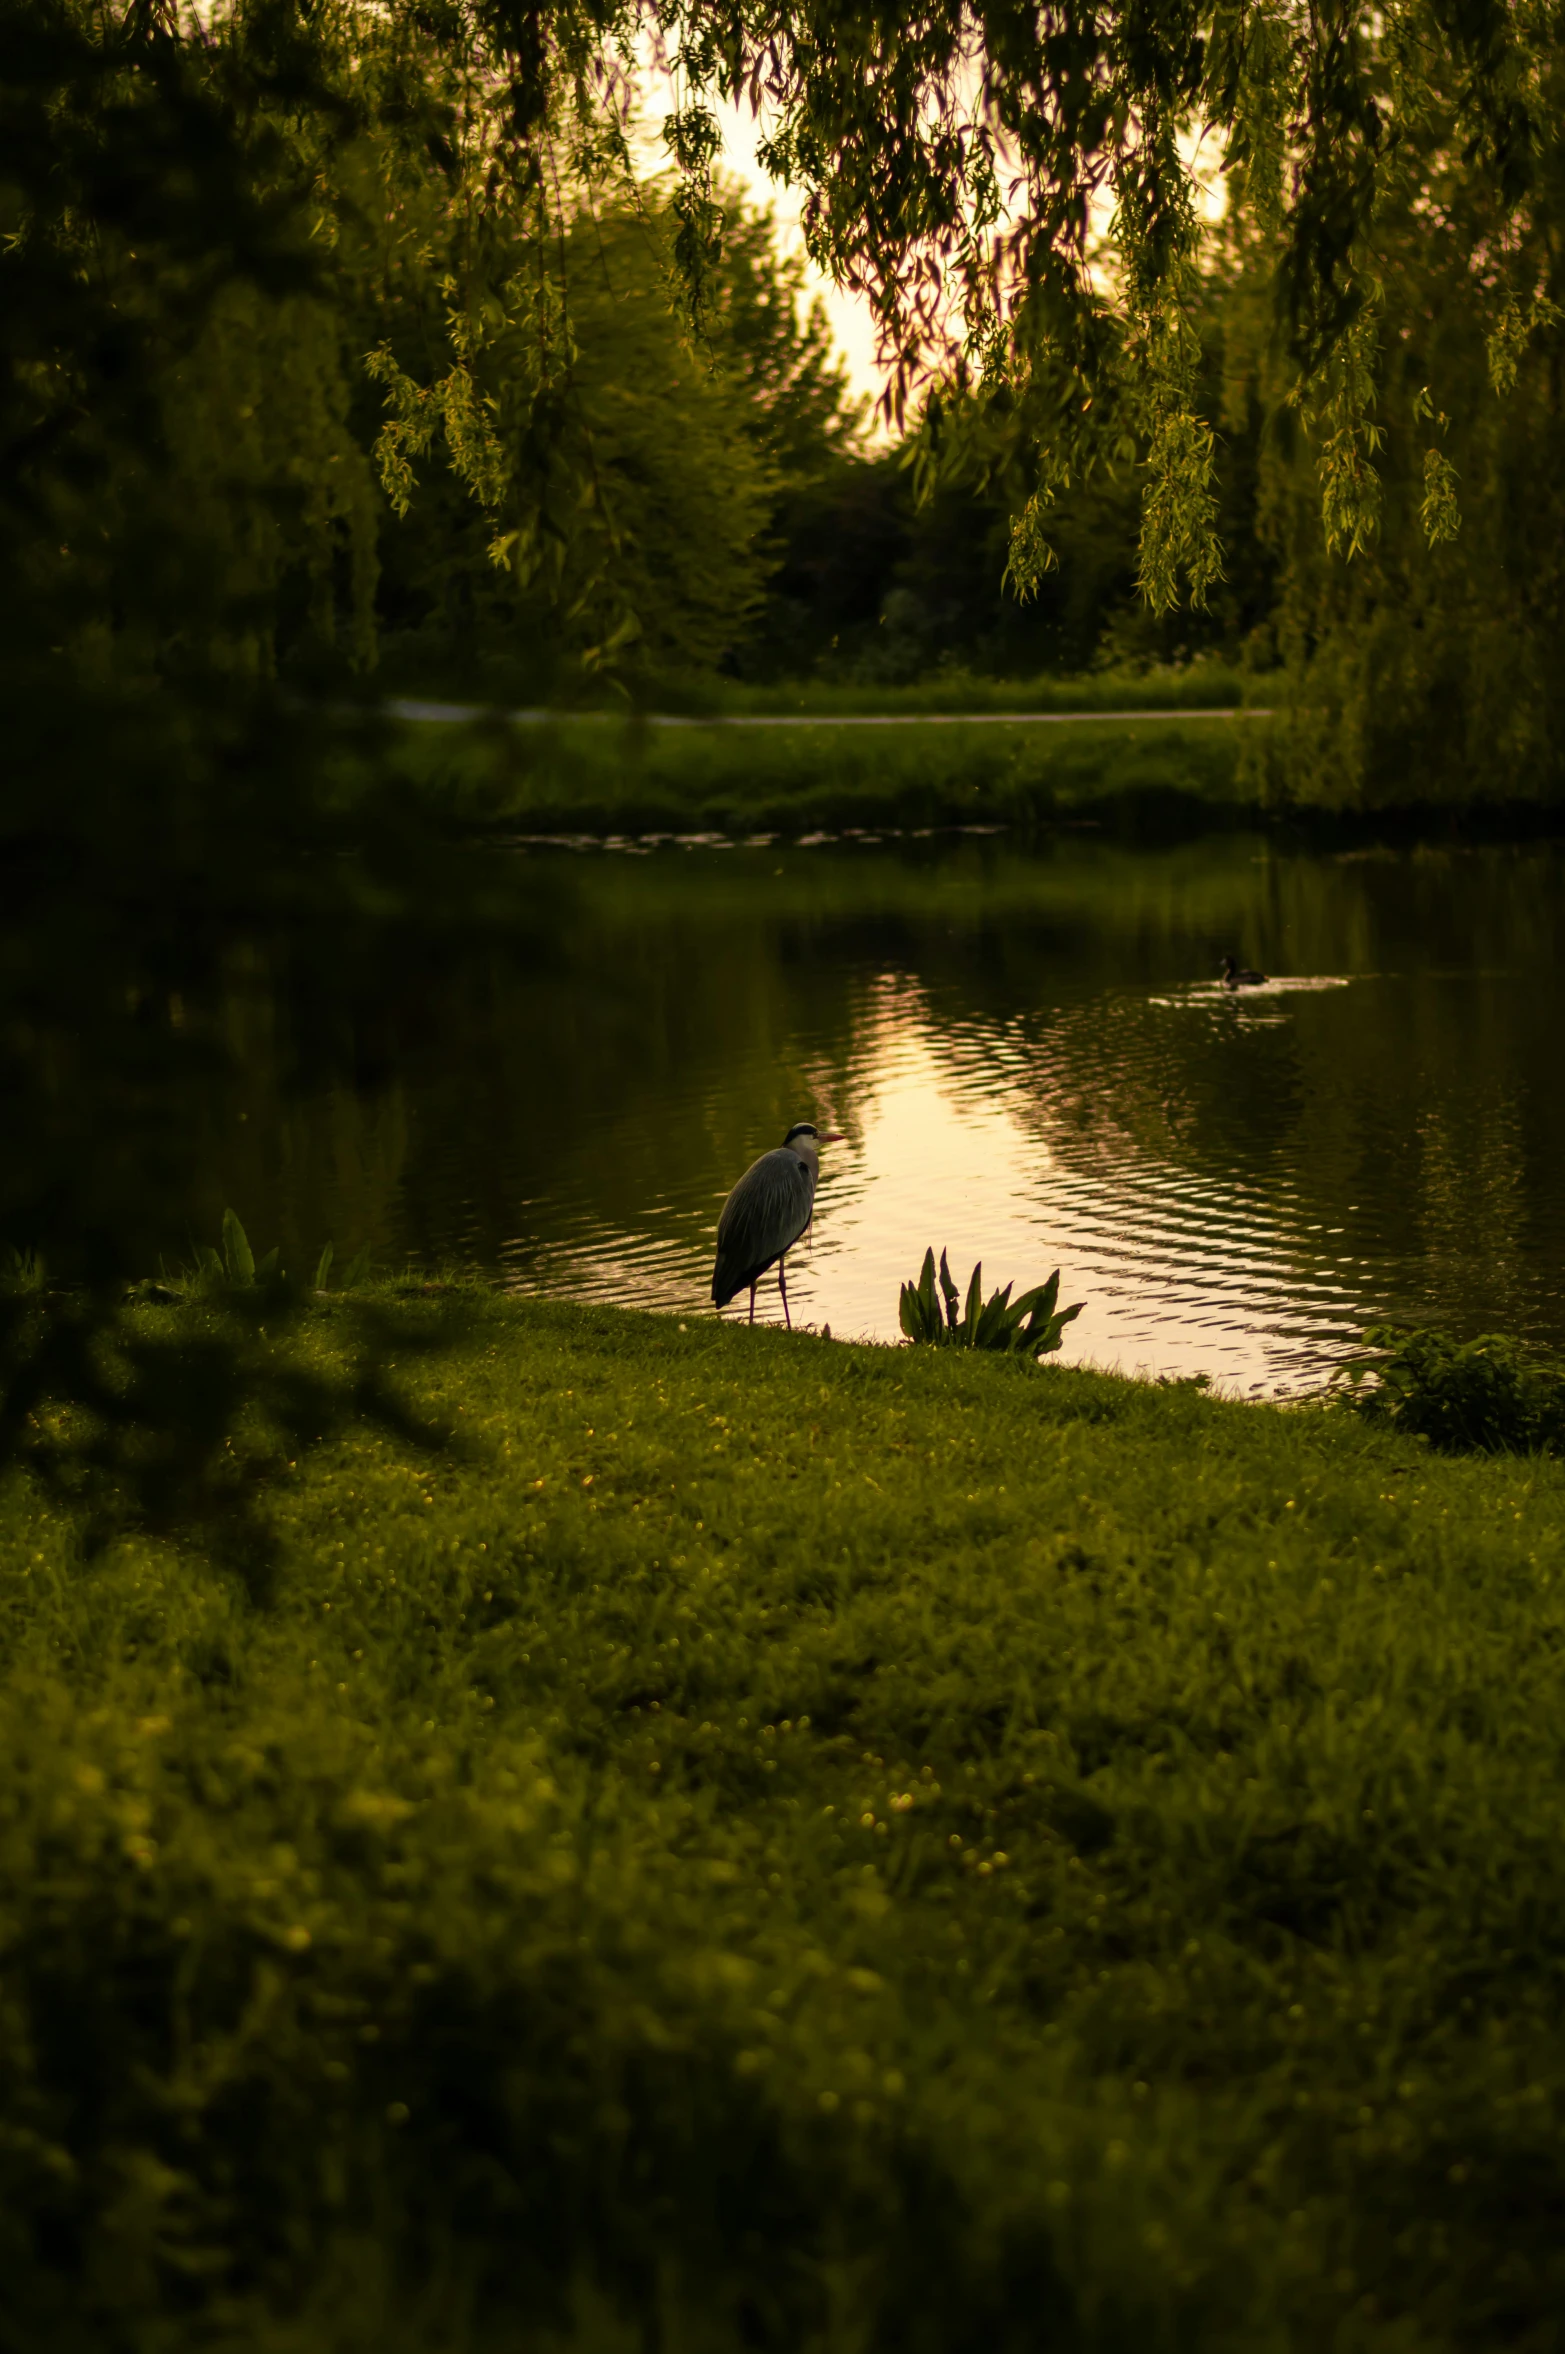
<point x="782" y="1285"/>
<point x="752" y="1303"/>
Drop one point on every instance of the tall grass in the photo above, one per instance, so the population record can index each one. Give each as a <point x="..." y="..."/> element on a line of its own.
<point x="620" y="776"/>
<point x="783" y="1845"/>
<point x="1199" y="686"/>
<point x="1202" y="686"/>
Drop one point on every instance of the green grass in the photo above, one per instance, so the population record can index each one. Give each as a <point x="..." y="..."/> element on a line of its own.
<point x="1197" y="686"/>
<point x="609" y="776"/>
<point x="776" y="1845"/>
<point x="1201" y="686"/>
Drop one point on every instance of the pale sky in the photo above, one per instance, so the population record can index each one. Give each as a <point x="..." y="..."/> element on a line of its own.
<point x="851" y="324"/>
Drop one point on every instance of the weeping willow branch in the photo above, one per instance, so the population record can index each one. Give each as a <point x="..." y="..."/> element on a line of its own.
<point x="527" y="331"/>
<point x="1341" y="412"/>
<point x="1179" y="503"/>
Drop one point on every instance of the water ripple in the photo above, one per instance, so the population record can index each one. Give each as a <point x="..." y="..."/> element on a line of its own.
<point x="1031" y="1066"/>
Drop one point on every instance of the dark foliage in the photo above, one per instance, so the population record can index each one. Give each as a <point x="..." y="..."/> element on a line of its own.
<point x="162" y="813"/>
<point x="1491" y="1396"/>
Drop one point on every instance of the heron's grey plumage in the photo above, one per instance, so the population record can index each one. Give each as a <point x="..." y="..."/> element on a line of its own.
<point x="764" y="1216"/>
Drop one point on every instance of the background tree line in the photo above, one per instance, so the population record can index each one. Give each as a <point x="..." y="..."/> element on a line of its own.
<point x="311" y="377"/>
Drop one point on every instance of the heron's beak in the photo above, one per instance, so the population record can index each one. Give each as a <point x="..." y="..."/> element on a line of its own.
<point x="834" y="1136"/>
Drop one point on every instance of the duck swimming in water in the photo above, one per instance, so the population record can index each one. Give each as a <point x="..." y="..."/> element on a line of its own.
<point x="1237" y="977"/>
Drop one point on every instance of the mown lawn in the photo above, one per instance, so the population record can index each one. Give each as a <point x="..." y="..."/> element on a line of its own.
<point x="767" y="1844"/>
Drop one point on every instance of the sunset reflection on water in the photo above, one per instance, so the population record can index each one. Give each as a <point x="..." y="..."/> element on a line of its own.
<point x="953" y="1140"/>
<point x="1032" y="1064"/>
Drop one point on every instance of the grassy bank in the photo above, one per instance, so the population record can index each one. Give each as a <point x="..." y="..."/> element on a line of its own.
<point x="775" y="1845"/>
<point x="1203" y="686"/>
<point x="606" y="776"/>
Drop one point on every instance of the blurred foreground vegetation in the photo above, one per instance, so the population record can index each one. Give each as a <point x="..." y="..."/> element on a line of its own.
<point x="764" y="1842"/>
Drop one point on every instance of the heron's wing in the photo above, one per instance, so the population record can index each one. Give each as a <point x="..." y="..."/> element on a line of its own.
<point x="765" y="1214"/>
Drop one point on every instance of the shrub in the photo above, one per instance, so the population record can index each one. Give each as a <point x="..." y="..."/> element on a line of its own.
<point x="1489" y="1396"/>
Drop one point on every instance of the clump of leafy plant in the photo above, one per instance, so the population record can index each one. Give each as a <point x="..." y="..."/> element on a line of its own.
<point x="235" y="1264"/>
<point x="215" y="1274"/>
<point x="1492" y="1395"/>
<point x="1030" y="1326"/>
<point x="234" y="1267"/>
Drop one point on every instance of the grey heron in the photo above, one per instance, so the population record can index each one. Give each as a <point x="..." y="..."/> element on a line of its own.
<point x="764" y="1216"/>
<point x="1236" y="976"/>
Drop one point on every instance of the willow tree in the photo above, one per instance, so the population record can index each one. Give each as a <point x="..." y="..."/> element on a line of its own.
<point x="1017" y="190"/>
<point x="1425" y="667"/>
<point x="620" y="516"/>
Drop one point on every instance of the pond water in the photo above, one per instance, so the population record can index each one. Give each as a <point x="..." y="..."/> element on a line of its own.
<point x="1030" y="1059"/>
